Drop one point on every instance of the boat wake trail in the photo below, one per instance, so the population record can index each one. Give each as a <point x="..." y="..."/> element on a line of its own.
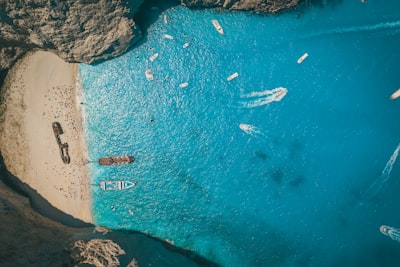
<point x="377" y="185"/>
<point x="263" y="98"/>
<point x="388" y="25"/>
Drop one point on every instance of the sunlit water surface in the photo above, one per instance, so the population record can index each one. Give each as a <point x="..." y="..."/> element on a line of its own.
<point x="298" y="181"/>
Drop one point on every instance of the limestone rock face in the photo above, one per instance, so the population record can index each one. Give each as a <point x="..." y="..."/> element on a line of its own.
<point x="76" y="30"/>
<point x="270" y="6"/>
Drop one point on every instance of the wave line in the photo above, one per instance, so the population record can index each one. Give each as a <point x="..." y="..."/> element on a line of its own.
<point x="377" y="185"/>
<point x="363" y="28"/>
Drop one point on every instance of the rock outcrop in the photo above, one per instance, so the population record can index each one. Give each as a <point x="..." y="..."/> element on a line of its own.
<point x="76" y="30"/>
<point x="30" y="239"/>
<point x="271" y="6"/>
<point x="88" y="30"/>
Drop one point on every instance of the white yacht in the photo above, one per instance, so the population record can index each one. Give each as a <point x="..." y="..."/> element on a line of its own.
<point x="232" y="76"/>
<point x="217" y="26"/>
<point x="301" y="59"/>
<point x="395" y="95"/>
<point x="167" y="36"/>
<point x="153" y="57"/>
<point x="149" y="74"/>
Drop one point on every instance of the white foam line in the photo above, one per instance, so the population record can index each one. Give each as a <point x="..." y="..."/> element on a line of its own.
<point x="254" y="94"/>
<point x="362" y="28"/>
<point x="377" y="185"/>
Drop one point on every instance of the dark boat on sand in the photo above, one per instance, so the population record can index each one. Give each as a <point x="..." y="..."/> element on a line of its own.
<point x="116" y="160"/>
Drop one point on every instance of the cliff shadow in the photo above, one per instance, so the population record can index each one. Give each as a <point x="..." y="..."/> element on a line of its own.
<point x="142" y="247"/>
<point x="38" y="203"/>
<point x="3" y="74"/>
<point x="150" y="11"/>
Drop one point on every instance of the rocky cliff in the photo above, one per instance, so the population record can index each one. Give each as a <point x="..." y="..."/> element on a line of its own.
<point x="271" y="6"/>
<point x="76" y="30"/>
<point x="88" y="30"/>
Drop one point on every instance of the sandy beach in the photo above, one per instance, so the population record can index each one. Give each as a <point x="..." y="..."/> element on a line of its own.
<point x="39" y="90"/>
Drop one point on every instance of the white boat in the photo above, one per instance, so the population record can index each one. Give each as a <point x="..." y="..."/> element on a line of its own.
<point x="186" y="44"/>
<point x="116" y="185"/>
<point x="183" y="85"/>
<point x="165" y="19"/>
<point x="217" y="26"/>
<point x="278" y="93"/>
<point x="395" y="95"/>
<point x="232" y="76"/>
<point x="167" y="36"/>
<point x="301" y="59"/>
<point x="153" y="57"/>
<point x="149" y="74"/>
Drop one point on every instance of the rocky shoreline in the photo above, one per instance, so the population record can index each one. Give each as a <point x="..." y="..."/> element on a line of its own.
<point x="30" y="239"/>
<point x="87" y="32"/>
<point x="248" y="5"/>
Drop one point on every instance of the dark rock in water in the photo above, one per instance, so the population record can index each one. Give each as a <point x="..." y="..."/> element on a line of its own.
<point x="277" y="176"/>
<point x="270" y="6"/>
<point x="77" y="31"/>
<point x="297" y="181"/>
<point x="261" y="155"/>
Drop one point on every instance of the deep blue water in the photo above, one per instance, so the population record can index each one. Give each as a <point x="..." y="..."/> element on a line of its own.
<point x="305" y="186"/>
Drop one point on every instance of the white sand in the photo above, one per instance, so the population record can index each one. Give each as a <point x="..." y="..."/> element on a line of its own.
<point x="41" y="89"/>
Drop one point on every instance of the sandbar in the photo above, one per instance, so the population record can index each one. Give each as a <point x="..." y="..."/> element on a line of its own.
<point x="41" y="89"/>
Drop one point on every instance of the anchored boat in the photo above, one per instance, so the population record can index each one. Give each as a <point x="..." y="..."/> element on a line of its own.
<point x="395" y="95"/>
<point x="116" y="160"/>
<point x="217" y="26"/>
<point x="301" y="59"/>
<point x="116" y="185"/>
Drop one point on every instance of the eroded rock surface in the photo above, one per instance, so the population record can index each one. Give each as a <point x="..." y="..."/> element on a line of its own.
<point x="76" y="30"/>
<point x="270" y="6"/>
<point x="88" y="30"/>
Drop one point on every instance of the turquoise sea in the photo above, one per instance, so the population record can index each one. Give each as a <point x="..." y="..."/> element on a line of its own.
<point x="225" y="172"/>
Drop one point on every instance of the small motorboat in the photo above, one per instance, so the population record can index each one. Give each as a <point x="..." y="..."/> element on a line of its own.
<point x="183" y="85"/>
<point x="395" y="95"/>
<point x="153" y="57"/>
<point x="232" y="76"/>
<point x="301" y="59"/>
<point x="116" y="185"/>
<point x="149" y="75"/>
<point x="167" y="36"/>
<point x="217" y="26"/>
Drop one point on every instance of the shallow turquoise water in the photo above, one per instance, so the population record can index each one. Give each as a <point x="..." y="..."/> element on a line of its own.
<point x="295" y="191"/>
